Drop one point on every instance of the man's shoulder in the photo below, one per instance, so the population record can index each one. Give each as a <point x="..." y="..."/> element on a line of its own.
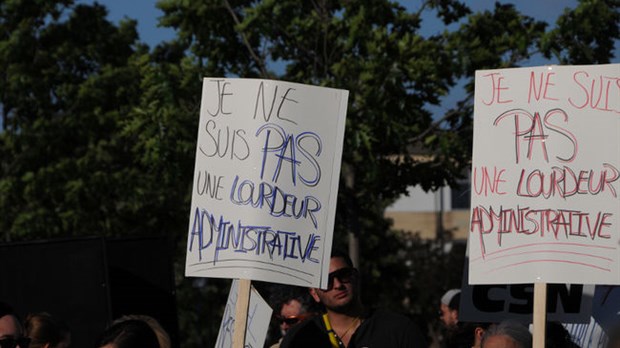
<point x="308" y="333"/>
<point x="384" y="327"/>
<point x="383" y="314"/>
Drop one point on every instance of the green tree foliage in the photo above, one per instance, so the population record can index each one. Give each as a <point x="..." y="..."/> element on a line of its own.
<point x="67" y="85"/>
<point x="98" y="130"/>
<point x="585" y="35"/>
<point x="95" y="140"/>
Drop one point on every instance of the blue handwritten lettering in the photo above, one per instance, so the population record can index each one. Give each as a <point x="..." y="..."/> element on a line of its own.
<point x="260" y="240"/>
<point x="279" y="202"/>
<point x="285" y="150"/>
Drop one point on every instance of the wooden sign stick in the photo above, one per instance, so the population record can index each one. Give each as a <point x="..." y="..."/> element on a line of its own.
<point x="241" y="313"/>
<point x="540" y="314"/>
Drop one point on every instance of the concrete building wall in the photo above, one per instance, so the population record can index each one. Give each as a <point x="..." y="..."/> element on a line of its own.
<point x="421" y="212"/>
<point x="455" y="223"/>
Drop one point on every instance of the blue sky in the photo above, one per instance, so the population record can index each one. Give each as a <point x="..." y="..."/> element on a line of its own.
<point x="147" y="14"/>
<point x="144" y="11"/>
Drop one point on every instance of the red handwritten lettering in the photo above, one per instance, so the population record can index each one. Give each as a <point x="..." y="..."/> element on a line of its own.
<point x="484" y="183"/>
<point x="561" y="223"/>
<point x="564" y="182"/>
<point x="562" y="131"/>
<point x="599" y="92"/>
<point x="541" y="89"/>
<point x="496" y="89"/>
<point x="534" y="132"/>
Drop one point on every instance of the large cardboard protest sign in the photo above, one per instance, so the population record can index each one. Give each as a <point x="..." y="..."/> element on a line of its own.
<point x="545" y="176"/>
<point x="265" y="181"/>
<point x="258" y="318"/>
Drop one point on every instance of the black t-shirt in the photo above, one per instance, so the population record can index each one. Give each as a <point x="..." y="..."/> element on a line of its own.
<point x="380" y="329"/>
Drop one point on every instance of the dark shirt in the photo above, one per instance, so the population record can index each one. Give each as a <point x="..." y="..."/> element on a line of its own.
<point x="380" y="329"/>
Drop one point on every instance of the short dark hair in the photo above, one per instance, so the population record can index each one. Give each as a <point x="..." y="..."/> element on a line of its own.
<point x="43" y="329"/>
<point x="129" y="334"/>
<point x="283" y="294"/>
<point x="345" y="256"/>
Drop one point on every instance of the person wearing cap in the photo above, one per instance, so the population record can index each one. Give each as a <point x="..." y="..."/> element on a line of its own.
<point x="458" y="335"/>
<point x="449" y="308"/>
<point x="347" y="323"/>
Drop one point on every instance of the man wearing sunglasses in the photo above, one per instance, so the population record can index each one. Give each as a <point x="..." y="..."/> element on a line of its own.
<point x="347" y="323"/>
<point x="295" y="306"/>
<point x="11" y="331"/>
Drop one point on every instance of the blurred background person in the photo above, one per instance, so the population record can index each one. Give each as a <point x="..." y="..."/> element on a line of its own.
<point x="162" y="336"/>
<point x="46" y="331"/>
<point x="292" y="305"/>
<point x="507" y="334"/>
<point x="556" y="336"/>
<point x="614" y="337"/>
<point x="449" y="308"/>
<point x="455" y="334"/>
<point x="11" y="330"/>
<point x="130" y="333"/>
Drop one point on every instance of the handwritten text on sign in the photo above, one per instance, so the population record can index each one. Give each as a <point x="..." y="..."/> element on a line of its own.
<point x="545" y="176"/>
<point x="265" y="180"/>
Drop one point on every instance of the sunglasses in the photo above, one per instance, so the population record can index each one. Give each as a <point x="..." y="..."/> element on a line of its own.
<point x="344" y="275"/>
<point x="292" y="320"/>
<point x="10" y="342"/>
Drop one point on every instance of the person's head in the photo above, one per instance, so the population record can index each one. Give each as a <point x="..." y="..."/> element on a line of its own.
<point x="292" y="305"/>
<point x="162" y="336"/>
<point x="556" y="336"/>
<point x="291" y="313"/>
<point x="11" y="331"/>
<point x="46" y="332"/>
<point x="128" y="334"/>
<point x="507" y="334"/>
<point x="614" y="337"/>
<point x="342" y="293"/>
<point x="449" y="308"/>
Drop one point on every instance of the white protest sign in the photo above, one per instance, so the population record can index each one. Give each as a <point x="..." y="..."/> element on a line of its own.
<point x="259" y="315"/>
<point x="545" y="176"/>
<point x="265" y="181"/>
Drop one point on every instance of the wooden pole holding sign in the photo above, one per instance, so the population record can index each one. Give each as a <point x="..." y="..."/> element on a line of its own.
<point x="241" y="313"/>
<point x="540" y="314"/>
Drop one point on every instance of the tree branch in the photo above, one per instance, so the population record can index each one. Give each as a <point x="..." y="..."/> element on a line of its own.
<point x="437" y="123"/>
<point x="259" y="62"/>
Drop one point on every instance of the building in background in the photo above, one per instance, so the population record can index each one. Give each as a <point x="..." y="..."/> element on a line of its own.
<point x="441" y="214"/>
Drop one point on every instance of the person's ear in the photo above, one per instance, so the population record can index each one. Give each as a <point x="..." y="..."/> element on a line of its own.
<point x="314" y="295"/>
<point x="478" y="332"/>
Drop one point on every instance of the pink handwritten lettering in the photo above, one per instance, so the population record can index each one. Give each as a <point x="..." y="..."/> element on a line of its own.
<point x="496" y="89"/>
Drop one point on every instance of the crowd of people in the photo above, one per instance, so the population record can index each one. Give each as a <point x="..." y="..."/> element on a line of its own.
<point x="344" y="321"/>
<point x="42" y="330"/>
<point x="334" y="317"/>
